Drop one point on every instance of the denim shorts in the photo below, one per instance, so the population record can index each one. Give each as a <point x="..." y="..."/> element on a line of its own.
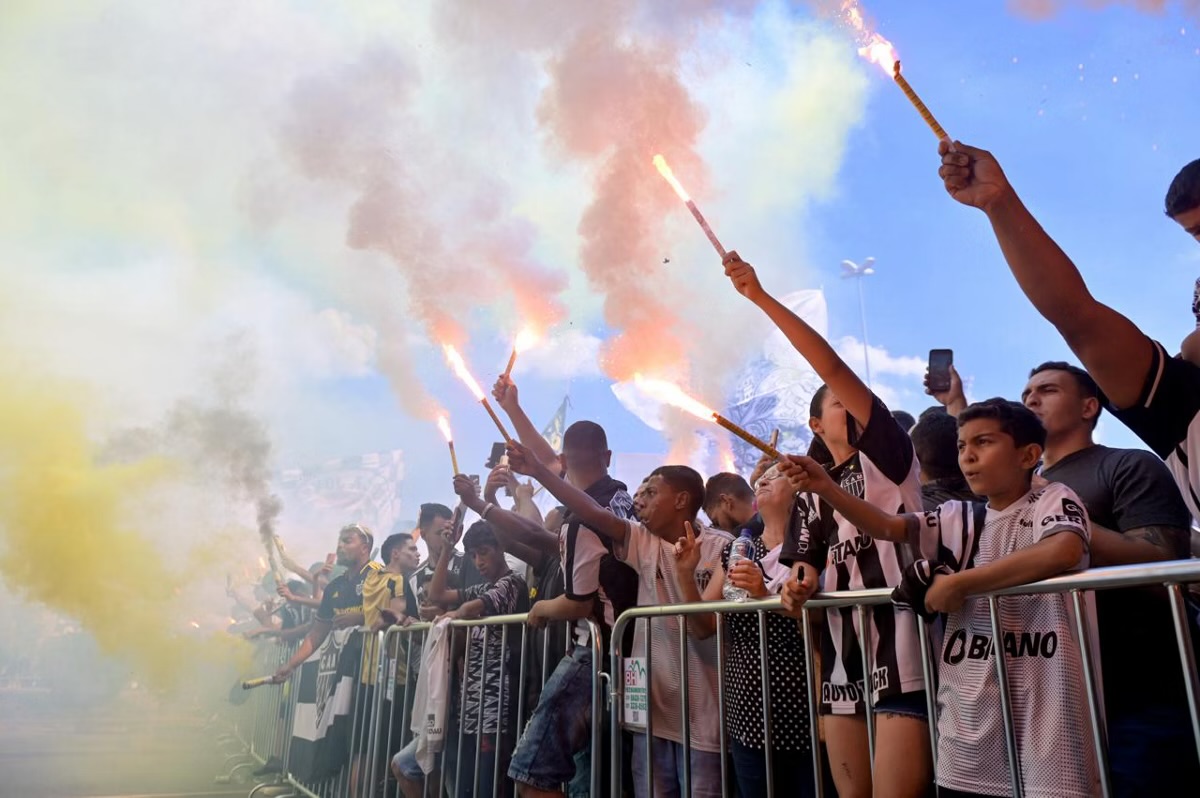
<point x="560" y="727"/>
<point x="910" y="705"/>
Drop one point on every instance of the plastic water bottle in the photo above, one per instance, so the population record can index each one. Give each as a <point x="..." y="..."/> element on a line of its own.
<point x="742" y="549"/>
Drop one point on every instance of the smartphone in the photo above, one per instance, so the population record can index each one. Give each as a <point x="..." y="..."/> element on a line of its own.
<point x="940" y="361"/>
<point x="497" y="456"/>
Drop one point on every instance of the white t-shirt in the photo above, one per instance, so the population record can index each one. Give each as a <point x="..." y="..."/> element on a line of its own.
<point x="1045" y="674"/>
<point x="654" y="560"/>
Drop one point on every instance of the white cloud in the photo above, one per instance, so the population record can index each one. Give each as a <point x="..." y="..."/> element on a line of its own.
<point x="880" y="359"/>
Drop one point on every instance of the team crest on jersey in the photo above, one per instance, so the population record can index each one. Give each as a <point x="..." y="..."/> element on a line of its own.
<point x="854" y="484"/>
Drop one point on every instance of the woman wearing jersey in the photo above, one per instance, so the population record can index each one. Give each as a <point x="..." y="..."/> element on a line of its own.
<point x="872" y="458"/>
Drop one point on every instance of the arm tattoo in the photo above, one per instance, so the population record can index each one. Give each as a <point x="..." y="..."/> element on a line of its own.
<point x="1171" y="540"/>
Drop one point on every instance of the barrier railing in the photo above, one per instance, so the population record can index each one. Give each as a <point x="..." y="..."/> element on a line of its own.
<point x="382" y="707"/>
<point x="1169" y="575"/>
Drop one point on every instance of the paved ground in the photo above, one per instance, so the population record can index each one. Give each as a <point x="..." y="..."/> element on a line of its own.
<point x="130" y="748"/>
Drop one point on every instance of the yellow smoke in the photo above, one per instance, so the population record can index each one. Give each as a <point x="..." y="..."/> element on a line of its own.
<point x="70" y="538"/>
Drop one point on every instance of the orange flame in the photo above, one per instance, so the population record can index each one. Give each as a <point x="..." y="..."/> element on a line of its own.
<point x="673" y="395"/>
<point x="727" y="464"/>
<point x="660" y="163"/>
<point x="525" y="340"/>
<point x="459" y="366"/>
<point x="873" y="47"/>
<point x="262" y="563"/>
<point x="194" y="625"/>
<point x="443" y="424"/>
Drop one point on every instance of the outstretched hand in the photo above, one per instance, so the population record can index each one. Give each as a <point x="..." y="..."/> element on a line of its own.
<point x="521" y="459"/>
<point x="743" y="277"/>
<point x="464" y="488"/>
<point x="805" y="474"/>
<point x="972" y="176"/>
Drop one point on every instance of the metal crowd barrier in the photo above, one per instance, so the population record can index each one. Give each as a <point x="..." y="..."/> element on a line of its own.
<point x="1171" y="575"/>
<point x="265" y="722"/>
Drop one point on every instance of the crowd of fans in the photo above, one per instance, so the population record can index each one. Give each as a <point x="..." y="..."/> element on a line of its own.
<point x="969" y="499"/>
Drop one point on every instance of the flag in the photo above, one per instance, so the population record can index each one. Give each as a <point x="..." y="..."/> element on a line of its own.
<point x="320" y="499"/>
<point x="324" y="705"/>
<point x="553" y="433"/>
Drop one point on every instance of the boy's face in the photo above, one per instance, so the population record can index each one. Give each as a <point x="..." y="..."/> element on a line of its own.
<point x="659" y="504"/>
<point x="489" y="561"/>
<point x="409" y="557"/>
<point x="991" y="462"/>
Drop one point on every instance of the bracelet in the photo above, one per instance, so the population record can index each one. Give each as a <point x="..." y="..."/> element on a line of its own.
<point x="487" y="508"/>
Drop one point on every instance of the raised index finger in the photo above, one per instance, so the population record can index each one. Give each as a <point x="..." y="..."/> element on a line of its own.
<point x="689" y="532"/>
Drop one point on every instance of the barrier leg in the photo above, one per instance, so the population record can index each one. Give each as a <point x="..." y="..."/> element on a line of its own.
<point x="814" y="723"/>
<point x="1187" y="658"/>
<point x="764" y="673"/>
<point x="1093" y="702"/>
<point x="1010" y="737"/>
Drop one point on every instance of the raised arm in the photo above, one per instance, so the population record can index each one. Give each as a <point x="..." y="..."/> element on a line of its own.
<point x="518" y="535"/>
<point x="585" y="508"/>
<point x="312" y="641"/>
<point x="1113" y="350"/>
<point x="855" y="395"/>
<point x="437" y="592"/>
<point x="1048" y="557"/>
<point x="807" y="475"/>
<point x="505" y="393"/>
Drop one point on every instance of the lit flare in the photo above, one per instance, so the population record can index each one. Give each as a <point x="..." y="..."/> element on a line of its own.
<point x="660" y="163"/>
<point x="878" y="50"/>
<point x="443" y="424"/>
<point x="459" y="366"/>
<point x="524" y="341"/>
<point x="673" y="395"/>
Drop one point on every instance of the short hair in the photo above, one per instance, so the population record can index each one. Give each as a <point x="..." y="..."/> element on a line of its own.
<point x="683" y="479"/>
<point x="936" y="410"/>
<point x="362" y="532"/>
<point x="935" y="439"/>
<point x="586" y="435"/>
<point x="480" y="534"/>
<point x="727" y="483"/>
<point x="904" y="419"/>
<point x="431" y="511"/>
<point x="1184" y="193"/>
<point x="1087" y="386"/>
<point x="818" y="401"/>
<point x="393" y="542"/>
<point x="1016" y="420"/>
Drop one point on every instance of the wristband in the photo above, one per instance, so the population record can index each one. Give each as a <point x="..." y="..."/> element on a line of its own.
<point x="487" y="508"/>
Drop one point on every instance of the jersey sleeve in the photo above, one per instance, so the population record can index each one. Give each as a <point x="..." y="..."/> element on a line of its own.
<point x="886" y="443"/>
<point x="1145" y="494"/>
<point x="501" y="598"/>
<point x="634" y="546"/>
<point x="808" y="533"/>
<point x="1059" y="510"/>
<point x="949" y="534"/>
<point x="1169" y="401"/>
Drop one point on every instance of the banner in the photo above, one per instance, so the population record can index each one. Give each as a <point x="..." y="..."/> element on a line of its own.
<point x="324" y="705"/>
<point x="321" y="499"/>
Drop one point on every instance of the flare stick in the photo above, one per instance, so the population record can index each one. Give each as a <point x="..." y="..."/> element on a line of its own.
<point x="250" y="684"/>
<point x="922" y="109"/>
<point x="453" y="457"/>
<point x="757" y="443"/>
<point x="499" y="424"/>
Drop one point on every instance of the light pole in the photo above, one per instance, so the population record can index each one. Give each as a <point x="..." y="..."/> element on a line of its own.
<point x="850" y="269"/>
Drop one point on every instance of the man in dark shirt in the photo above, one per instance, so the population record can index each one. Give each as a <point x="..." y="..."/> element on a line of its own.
<point x="1138" y="516"/>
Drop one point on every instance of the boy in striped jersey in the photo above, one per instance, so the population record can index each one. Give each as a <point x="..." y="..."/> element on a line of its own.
<point x="1022" y="534"/>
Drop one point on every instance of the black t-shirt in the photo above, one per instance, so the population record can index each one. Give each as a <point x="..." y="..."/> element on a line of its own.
<point x="1165" y="418"/>
<point x="344" y="595"/>
<point x="937" y="492"/>
<point x="461" y="574"/>
<point x="1123" y="490"/>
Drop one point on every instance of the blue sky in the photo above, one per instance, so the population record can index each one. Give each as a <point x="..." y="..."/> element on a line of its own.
<point x="165" y="200"/>
<point x="1091" y="156"/>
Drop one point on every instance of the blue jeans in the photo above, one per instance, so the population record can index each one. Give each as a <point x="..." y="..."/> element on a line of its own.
<point x="559" y="728"/>
<point x="668" y="770"/>
<point x="1151" y="751"/>
<point x="791" y="770"/>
